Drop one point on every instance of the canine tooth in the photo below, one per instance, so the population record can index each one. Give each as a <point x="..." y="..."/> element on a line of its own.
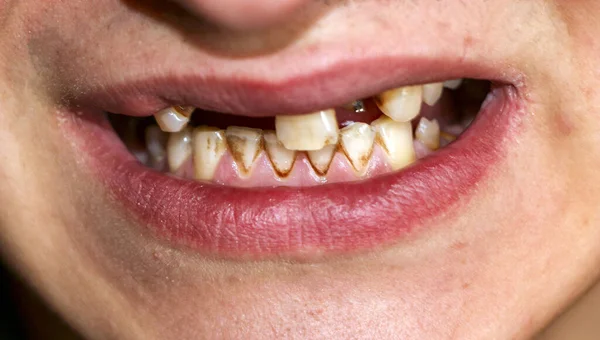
<point x="428" y="132"/>
<point x="156" y="141"/>
<point x="432" y="93"/>
<point x="174" y="118"/>
<point x="401" y="104"/>
<point x="244" y="144"/>
<point x="209" y="146"/>
<point x="179" y="148"/>
<point x="396" y="138"/>
<point x="453" y="84"/>
<point x="321" y="159"/>
<point x="281" y="158"/>
<point x="308" y="132"/>
<point x="357" y="142"/>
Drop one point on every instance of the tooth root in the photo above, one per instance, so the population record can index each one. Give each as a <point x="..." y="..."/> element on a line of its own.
<point x="432" y="93"/>
<point x="281" y="158"/>
<point x="174" y="118"/>
<point x="402" y="104"/>
<point x="428" y="133"/>
<point x="179" y="148"/>
<point x="396" y="138"/>
<point x="321" y="159"/>
<point x="453" y="84"/>
<point x="357" y="143"/>
<point x="245" y="144"/>
<point x="156" y="141"/>
<point x="309" y="132"/>
<point x="209" y="146"/>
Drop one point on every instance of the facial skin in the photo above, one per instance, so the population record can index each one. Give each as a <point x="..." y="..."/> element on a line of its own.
<point x="501" y="266"/>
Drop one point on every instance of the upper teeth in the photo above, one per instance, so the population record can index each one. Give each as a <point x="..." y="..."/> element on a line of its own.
<point x="307" y="132"/>
<point x="174" y="118"/>
<point x="402" y="104"/>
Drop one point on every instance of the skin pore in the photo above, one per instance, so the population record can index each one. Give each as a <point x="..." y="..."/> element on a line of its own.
<point x="503" y="265"/>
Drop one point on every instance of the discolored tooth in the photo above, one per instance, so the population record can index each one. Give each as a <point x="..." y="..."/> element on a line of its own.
<point x="428" y="133"/>
<point x="174" y="118"/>
<point x="321" y="159"/>
<point x="453" y="84"/>
<point x="245" y="144"/>
<point x="357" y="143"/>
<point x="396" y="138"/>
<point x="179" y="148"/>
<point x="156" y="141"/>
<point x="432" y="93"/>
<point x="309" y="132"/>
<point x="209" y="146"/>
<point x="401" y="104"/>
<point x="281" y="158"/>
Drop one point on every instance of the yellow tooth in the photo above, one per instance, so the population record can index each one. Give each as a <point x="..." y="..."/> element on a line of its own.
<point x="179" y="148"/>
<point x="453" y="84"/>
<point x="321" y="159"/>
<point x="245" y="144"/>
<point x="309" y="132"/>
<point x="396" y="139"/>
<point x="401" y="104"/>
<point x="281" y="158"/>
<point x="156" y="141"/>
<point x="357" y="143"/>
<point x="174" y="118"/>
<point x="432" y="93"/>
<point x="428" y="133"/>
<point x="209" y="146"/>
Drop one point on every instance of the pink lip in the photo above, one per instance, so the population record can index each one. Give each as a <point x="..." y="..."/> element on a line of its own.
<point x="329" y="219"/>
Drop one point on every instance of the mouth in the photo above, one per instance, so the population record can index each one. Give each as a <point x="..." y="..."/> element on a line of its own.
<point x="341" y="179"/>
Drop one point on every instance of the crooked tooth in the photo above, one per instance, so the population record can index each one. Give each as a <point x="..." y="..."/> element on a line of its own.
<point x="321" y="159"/>
<point x="432" y="93"/>
<point x="401" y="104"/>
<point x="174" y="118"/>
<point x="209" y="146"/>
<point x="179" y="148"/>
<point x="428" y="133"/>
<point x="281" y="158"/>
<point x="453" y="84"/>
<point x="245" y="144"/>
<point x="396" y="138"/>
<point x="156" y="141"/>
<point x="309" y="132"/>
<point x="357" y="143"/>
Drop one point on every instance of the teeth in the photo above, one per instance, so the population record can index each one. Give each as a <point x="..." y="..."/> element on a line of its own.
<point x="155" y="144"/>
<point x="397" y="140"/>
<point x="357" y="142"/>
<point x="281" y="158"/>
<point x="428" y="133"/>
<point x="453" y="84"/>
<point x="432" y="93"/>
<point x="174" y="118"/>
<point x="209" y="146"/>
<point x="401" y="104"/>
<point x="179" y="148"/>
<point x="321" y="159"/>
<point x="308" y="132"/>
<point x="245" y="145"/>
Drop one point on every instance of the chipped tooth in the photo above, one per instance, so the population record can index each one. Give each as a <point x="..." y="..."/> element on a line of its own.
<point x="281" y="158"/>
<point x="245" y="144"/>
<point x="453" y="84"/>
<point x="396" y="138"/>
<point x="309" y="132"/>
<point x="432" y="93"/>
<point x="321" y="159"/>
<point x="209" y="146"/>
<point x="357" y="143"/>
<point x="428" y="133"/>
<point x="156" y="141"/>
<point x="174" y="118"/>
<point x="401" y="104"/>
<point x="179" y="148"/>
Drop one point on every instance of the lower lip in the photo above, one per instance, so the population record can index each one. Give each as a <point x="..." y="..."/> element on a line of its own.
<point x="299" y="222"/>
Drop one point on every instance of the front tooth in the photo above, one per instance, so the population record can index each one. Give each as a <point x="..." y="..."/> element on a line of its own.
<point x="245" y="144"/>
<point x="155" y="144"/>
<point x="432" y="93"/>
<point x="309" y="132"/>
<point x="281" y="158"/>
<point x="179" y="148"/>
<point x="321" y="159"/>
<point x="453" y="84"/>
<point x="428" y="133"/>
<point x="209" y="146"/>
<point x="174" y="118"/>
<point x="401" y="104"/>
<point x="357" y="142"/>
<point x="396" y="138"/>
